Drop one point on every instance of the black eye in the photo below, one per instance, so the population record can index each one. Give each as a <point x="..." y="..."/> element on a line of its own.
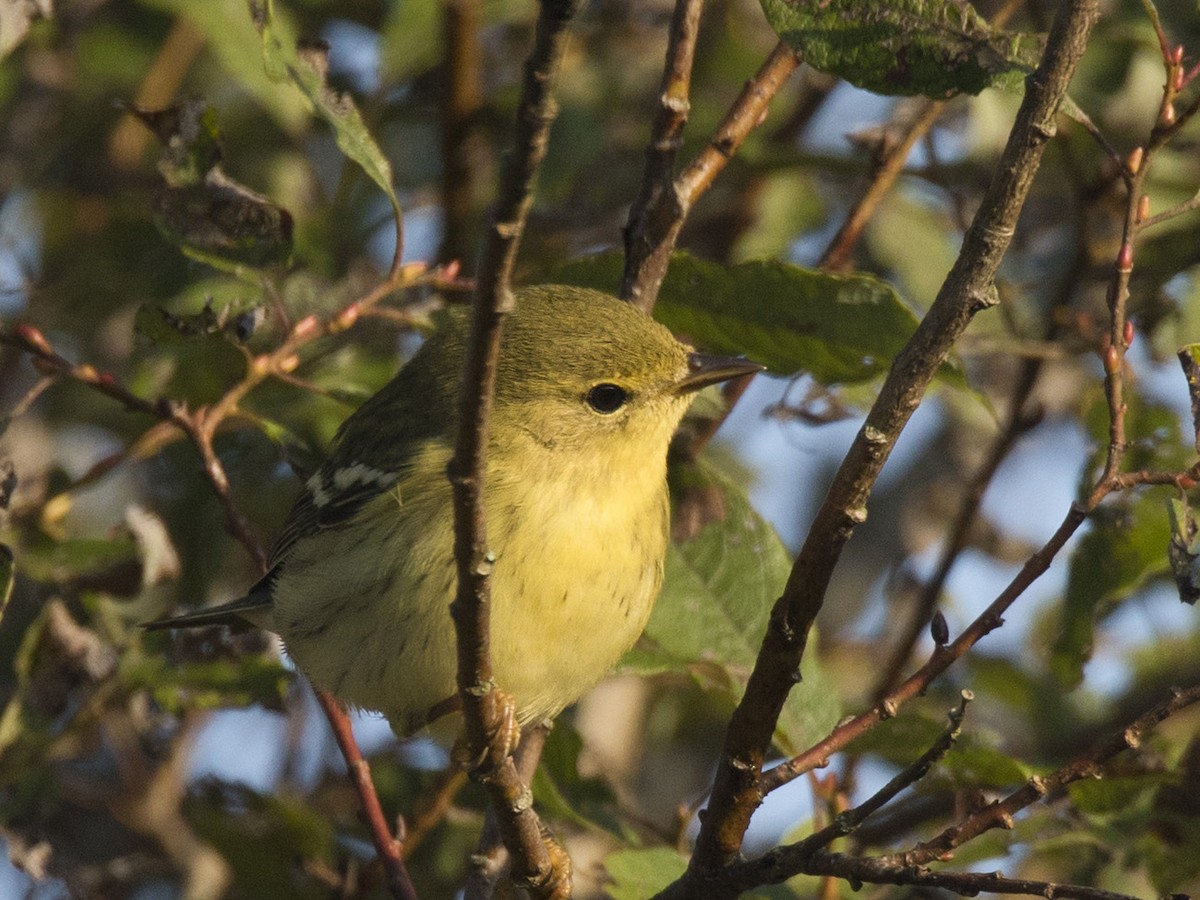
<point x="607" y="398"/>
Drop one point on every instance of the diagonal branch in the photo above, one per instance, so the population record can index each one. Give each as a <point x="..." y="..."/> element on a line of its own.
<point x="1088" y="765"/>
<point x="967" y="290"/>
<point x="537" y="862"/>
<point x="651" y="237"/>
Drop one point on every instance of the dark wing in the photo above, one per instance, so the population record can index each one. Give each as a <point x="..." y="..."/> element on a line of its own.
<point x="370" y="454"/>
<point x="240" y="614"/>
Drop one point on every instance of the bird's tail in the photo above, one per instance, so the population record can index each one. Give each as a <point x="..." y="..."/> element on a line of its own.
<point x="251" y="611"/>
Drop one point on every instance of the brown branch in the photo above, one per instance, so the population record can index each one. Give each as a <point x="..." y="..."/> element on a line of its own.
<point x="655" y="206"/>
<point x="940" y="660"/>
<point x="648" y="251"/>
<point x="537" y="862"/>
<point x="1000" y="813"/>
<point x="808" y="857"/>
<point x="969" y="884"/>
<point x="967" y="290"/>
<point x="398" y="881"/>
<point x="849" y="821"/>
<point x="490" y="860"/>
<point x="460" y="104"/>
<point x="838" y="256"/>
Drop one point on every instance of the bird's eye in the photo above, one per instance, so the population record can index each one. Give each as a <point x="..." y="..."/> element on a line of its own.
<point x="607" y="398"/>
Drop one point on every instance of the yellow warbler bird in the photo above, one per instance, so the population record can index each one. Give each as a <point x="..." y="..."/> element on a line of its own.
<point x="588" y="393"/>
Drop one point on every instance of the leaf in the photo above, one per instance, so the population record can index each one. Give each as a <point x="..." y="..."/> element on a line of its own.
<point x="209" y="685"/>
<point x="837" y="328"/>
<point x="938" y="48"/>
<point x="267" y="839"/>
<point x="239" y="51"/>
<point x="563" y="793"/>
<point x="207" y="214"/>
<point x="637" y="874"/>
<point x="1124" y="550"/>
<point x="1118" y="793"/>
<point x="718" y="590"/>
<point x="306" y="64"/>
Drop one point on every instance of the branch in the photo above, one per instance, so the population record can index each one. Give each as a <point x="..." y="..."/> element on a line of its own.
<point x="398" y="881"/>
<point x="969" y="884"/>
<point x="656" y="206"/>
<point x="940" y="660"/>
<point x="650" y="240"/>
<point x="537" y="862"/>
<point x="967" y="290"/>
<point x="1000" y="813"/>
<point x="808" y="856"/>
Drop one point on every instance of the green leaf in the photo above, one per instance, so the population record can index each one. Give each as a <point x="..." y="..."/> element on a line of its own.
<point x="225" y="25"/>
<point x="306" y="65"/>
<point x="209" y="685"/>
<point x="209" y="215"/>
<point x="1125" y="549"/>
<point x="638" y="874"/>
<point x="563" y="793"/>
<point x="938" y="48"/>
<point x="837" y="328"/>
<point x="1117" y="793"/>
<point x="721" y="581"/>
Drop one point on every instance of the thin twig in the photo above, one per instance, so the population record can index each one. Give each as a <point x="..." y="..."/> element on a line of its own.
<point x="388" y="848"/>
<point x="969" y="884"/>
<point x="656" y="200"/>
<point x="967" y="290"/>
<point x="1088" y="765"/>
<point x="838" y="256"/>
<point x="849" y="821"/>
<point x="648" y="252"/>
<point x="808" y="856"/>
<point x="537" y="863"/>
<point x="940" y="660"/>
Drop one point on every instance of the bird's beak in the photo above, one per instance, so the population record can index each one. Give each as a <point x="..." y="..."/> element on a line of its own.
<point x="704" y="370"/>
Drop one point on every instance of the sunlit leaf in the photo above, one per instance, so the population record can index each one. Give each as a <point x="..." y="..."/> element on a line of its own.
<point x="721" y="580"/>
<point x="938" y="48"/>
<point x="306" y="64"/>
<point x="638" y="874"/>
<point x="837" y="328"/>
<point x="225" y="25"/>
<point x="1125" y="549"/>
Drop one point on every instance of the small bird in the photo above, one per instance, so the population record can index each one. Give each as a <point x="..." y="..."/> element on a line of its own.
<point x="589" y="391"/>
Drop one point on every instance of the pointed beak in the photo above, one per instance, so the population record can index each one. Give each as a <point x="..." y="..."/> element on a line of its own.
<point x="704" y="370"/>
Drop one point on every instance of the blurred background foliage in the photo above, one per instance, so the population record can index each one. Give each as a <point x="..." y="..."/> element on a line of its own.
<point x="122" y="771"/>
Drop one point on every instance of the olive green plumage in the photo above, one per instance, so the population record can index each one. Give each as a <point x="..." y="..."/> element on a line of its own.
<point x="588" y="393"/>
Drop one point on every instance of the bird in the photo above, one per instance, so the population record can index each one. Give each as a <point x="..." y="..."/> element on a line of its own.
<point x="588" y="393"/>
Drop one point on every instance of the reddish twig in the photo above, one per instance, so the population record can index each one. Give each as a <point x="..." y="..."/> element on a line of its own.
<point x="537" y="863"/>
<point x="388" y="848"/>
